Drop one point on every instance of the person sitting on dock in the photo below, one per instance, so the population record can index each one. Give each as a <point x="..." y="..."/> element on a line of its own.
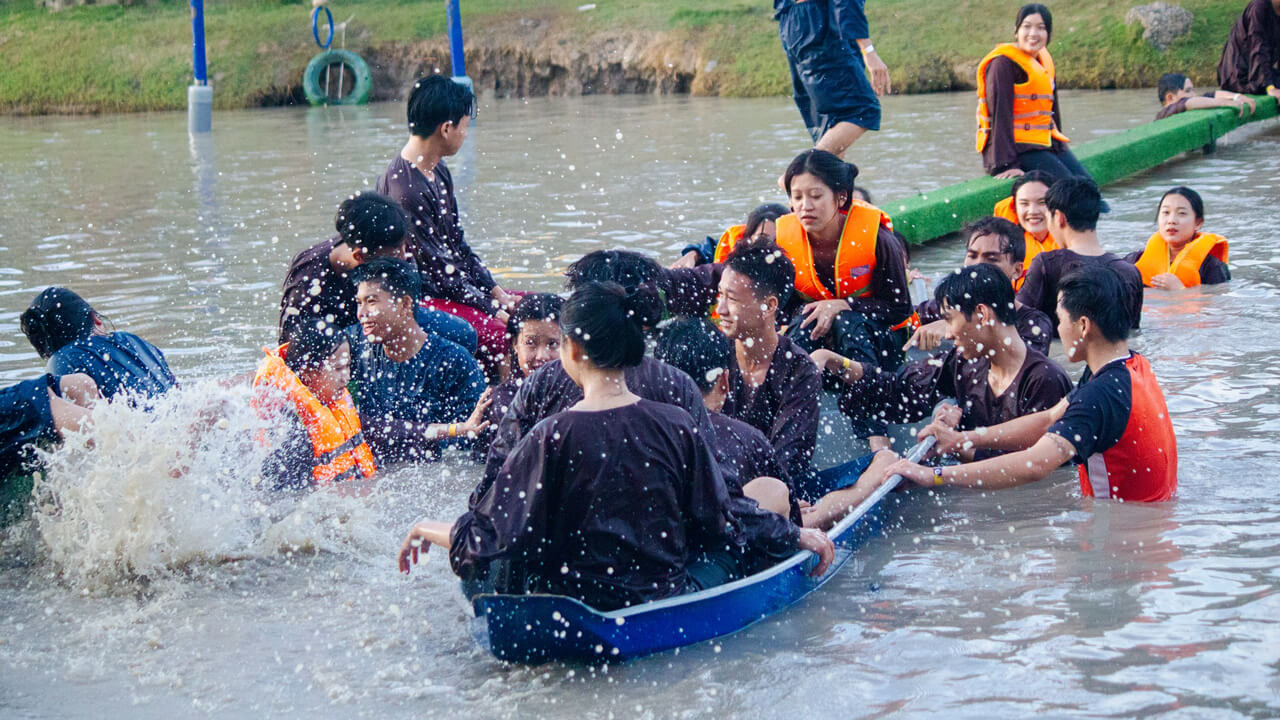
<point x="1178" y="95"/>
<point x="414" y="390"/>
<point x="696" y="347"/>
<point x="70" y="335"/>
<point x="997" y="242"/>
<point x="1025" y="208"/>
<point x="1179" y="255"/>
<point x="773" y="386"/>
<point x="535" y="337"/>
<point x="851" y="293"/>
<point x="1019" y="117"/>
<point x="318" y="290"/>
<point x="303" y="386"/>
<point x="1250" y="60"/>
<point x="761" y="224"/>
<point x="454" y="278"/>
<point x="1074" y="206"/>
<point x="615" y="501"/>
<point x="1115" y="423"/>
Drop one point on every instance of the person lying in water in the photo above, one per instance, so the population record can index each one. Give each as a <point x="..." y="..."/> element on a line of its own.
<point x="1179" y="255"/>
<point x="534" y="334"/>
<point x="563" y="516"/>
<point x="1115" y="425"/>
<point x="409" y="384"/>
<point x="302" y="385"/>
<point x="67" y="332"/>
<point x="999" y="243"/>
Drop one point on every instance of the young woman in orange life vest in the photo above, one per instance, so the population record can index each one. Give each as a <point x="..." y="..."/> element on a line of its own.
<point x="1179" y="255"/>
<point x="1025" y="207"/>
<point x="1019" y="120"/>
<point x="851" y="294"/>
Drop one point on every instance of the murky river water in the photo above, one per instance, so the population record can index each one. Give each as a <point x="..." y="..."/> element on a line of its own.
<point x="148" y="596"/>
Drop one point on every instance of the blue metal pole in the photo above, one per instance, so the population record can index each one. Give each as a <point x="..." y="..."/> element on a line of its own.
<point x="455" y="39"/>
<point x="197" y="37"/>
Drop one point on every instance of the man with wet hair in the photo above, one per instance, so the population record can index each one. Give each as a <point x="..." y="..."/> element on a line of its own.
<point x="685" y="290"/>
<point x="406" y="379"/>
<point x="318" y="290"/>
<point x="773" y="386"/>
<point x="1177" y="95"/>
<point x="453" y="277"/>
<point x="1074" y="206"/>
<point x="997" y="242"/>
<point x="1115" y="424"/>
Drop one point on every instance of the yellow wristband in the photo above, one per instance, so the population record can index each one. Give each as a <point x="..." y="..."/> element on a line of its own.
<point x="1270" y="88"/>
<point x="937" y="477"/>
<point x="453" y="429"/>
<point x="845" y="363"/>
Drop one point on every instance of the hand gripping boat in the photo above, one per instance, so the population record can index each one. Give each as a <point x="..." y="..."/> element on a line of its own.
<point x="544" y="628"/>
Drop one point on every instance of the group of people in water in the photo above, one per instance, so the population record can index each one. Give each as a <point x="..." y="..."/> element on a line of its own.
<point x="652" y="432"/>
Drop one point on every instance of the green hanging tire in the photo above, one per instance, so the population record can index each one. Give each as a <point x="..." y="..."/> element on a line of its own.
<point x="313" y="78"/>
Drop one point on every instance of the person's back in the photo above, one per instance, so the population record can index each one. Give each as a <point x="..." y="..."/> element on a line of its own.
<point x="1250" y="60"/>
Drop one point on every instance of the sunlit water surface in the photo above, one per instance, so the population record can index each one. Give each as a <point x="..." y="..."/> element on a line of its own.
<point x="133" y="593"/>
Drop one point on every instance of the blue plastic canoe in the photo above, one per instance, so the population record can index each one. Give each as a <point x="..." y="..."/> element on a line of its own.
<point x="544" y="628"/>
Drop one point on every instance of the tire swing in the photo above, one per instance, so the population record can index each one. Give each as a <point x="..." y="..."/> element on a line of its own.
<point x="321" y="73"/>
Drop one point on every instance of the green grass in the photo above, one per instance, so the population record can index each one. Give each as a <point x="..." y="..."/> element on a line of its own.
<point x="137" y="57"/>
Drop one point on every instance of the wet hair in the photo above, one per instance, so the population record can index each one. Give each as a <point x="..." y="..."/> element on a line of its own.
<point x="761" y="215"/>
<point x="1193" y="197"/>
<point x="310" y="346"/>
<point x="435" y="100"/>
<point x="698" y="349"/>
<point x="906" y="245"/>
<point x="371" y="221"/>
<point x="865" y="193"/>
<point x="628" y="269"/>
<point x="608" y="322"/>
<point x="533" y="307"/>
<point x="981" y="284"/>
<point x="769" y="269"/>
<point x="1077" y="198"/>
<point x="1013" y="242"/>
<point x="56" y="318"/>
<point x="1026" y="178"/>
<point x="1170" y="83"/>
<point x="1036" y="9"/>
<point x="394" y="275"/>
<point x="830" y="169"/>
<point x="1096" y="292"/>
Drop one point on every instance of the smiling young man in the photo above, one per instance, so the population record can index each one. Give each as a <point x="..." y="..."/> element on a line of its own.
<point x="414" y="389"/>
<point x="1115" y="424"/>
<point x="773" y="386"/>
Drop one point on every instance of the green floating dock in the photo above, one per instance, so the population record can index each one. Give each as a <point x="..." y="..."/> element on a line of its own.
<point x="943" y="211"/>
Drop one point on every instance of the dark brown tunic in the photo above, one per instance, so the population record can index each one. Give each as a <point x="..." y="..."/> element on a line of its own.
<point x="1040" y="288"/>
<point x="450" y="269"/>
<point x="1001" y="152"/>
<point x="911" y="393"/>
<point x="1251" y="58"/>
<point x="607" y="506"/>
<point x="784" y="407"/>
<point x="747" y="451"/>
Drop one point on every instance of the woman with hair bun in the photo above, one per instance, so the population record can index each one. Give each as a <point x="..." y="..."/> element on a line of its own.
<point x="851" y="293"/>
<point x="616" y="501"/>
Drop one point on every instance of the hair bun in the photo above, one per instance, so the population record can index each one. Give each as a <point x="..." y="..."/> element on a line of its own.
<point x="644" y="305"/>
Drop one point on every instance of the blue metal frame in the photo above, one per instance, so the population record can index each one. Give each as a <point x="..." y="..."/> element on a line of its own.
<point x="197" y="43"/>
<point x="543" y="628"/>
<point x="455" y="38"/>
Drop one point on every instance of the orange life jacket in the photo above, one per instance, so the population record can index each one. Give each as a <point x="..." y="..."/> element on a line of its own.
<point x="855" y="256"/>
<point x="1004" y="209"/>
<point x="728" y="240"/>
<point x="334" y="430"/>
<point x="1032" y="100"/>
<point x="1186" y="266"/>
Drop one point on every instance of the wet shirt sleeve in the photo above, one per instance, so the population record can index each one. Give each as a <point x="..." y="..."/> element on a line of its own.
<point x="1097" y="412"/>
<point x="1172" y="109"/>
<point x="1035" y="328"/>
<point x="903" y="396"/>
<point x="794" y="432"/>
<point x="890" y="299"/>
<point x="1262" y="45"/>
<point x="850" y="17"/>
<point x="1001" y="153"/>
<point x="1213" y="271"/>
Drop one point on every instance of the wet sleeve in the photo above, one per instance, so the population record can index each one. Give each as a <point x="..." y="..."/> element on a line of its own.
<point x="903" y="396"/>
<point x="1036" y="330"/>
<point x="850" y="17"/>
<point x="1033" y="286"/>
<point x="1260" y="21"/>
<point x="928" y="311"/>
<point x="521" y="416"/>
<point x="1096" y="415"/>
<point x="509" y="515"/>
<point x="1001" y="153"/>
<point x="1043" y="389"/>
<point x="463" y="383"/>
<point x="890" y="299"/>
<point x="1213" y="271"/>
<point x="288" y="466"/>
<point x="707" y="500"/>
<point x="1172" y="109"/>
<point x="795" y="428"/>
<point x="692" y="291"/>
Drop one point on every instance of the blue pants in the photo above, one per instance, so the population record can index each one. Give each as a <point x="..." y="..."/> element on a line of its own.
<point x="449" y="327"/>
<point x="828" y="78"/>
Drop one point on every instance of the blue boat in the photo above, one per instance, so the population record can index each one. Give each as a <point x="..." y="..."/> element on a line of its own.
<point x="544" y="628"/>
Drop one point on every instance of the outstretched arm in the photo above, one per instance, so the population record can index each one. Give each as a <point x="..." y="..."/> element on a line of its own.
<point x="997" y="473"/>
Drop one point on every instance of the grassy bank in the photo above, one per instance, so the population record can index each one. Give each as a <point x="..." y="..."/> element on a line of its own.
<point x="132" y="58"/>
